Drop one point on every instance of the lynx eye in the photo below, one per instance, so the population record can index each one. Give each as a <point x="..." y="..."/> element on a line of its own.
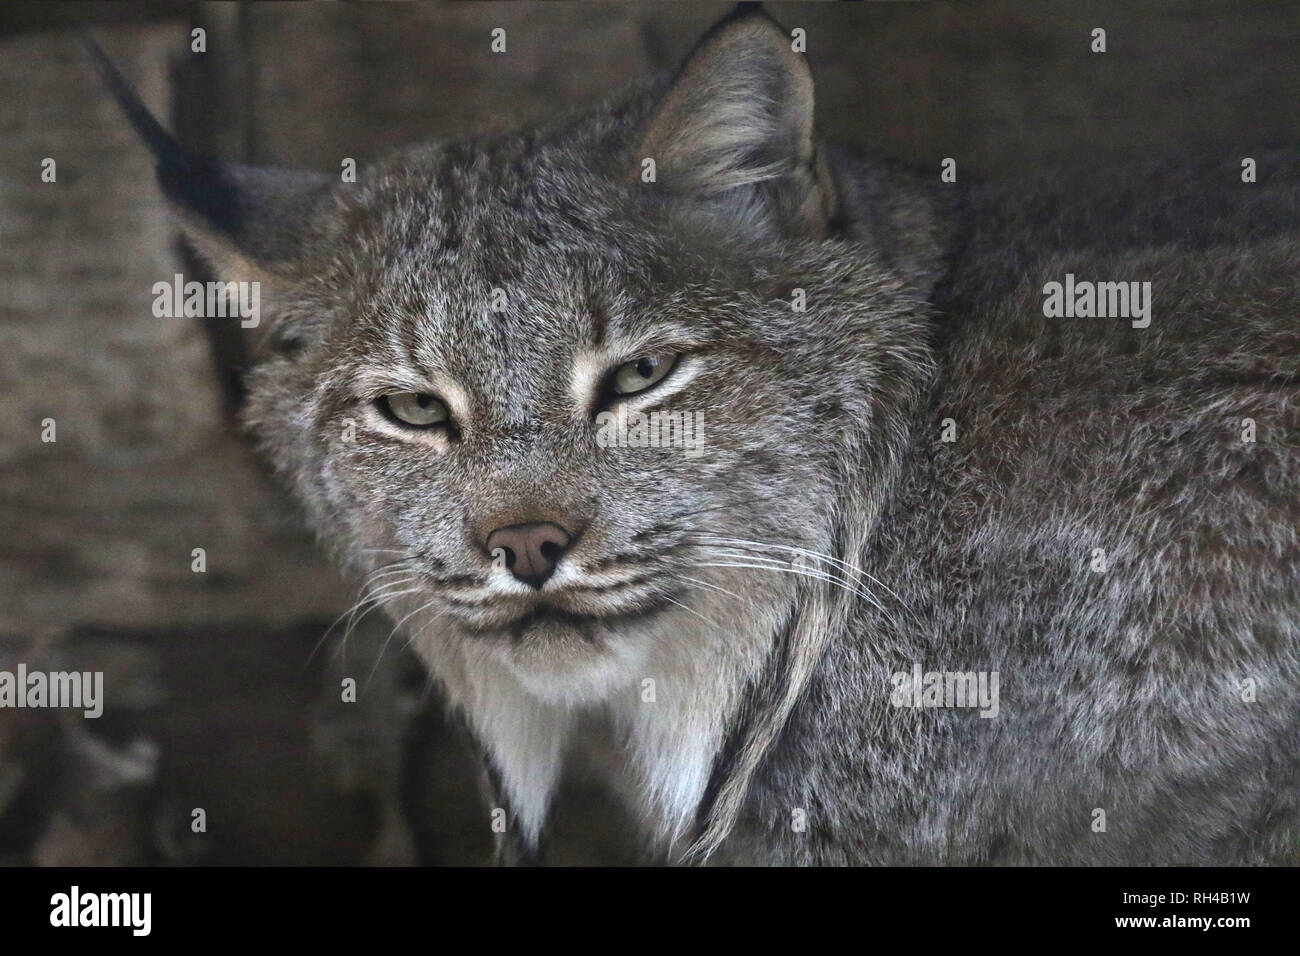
<point x="640" y="374"/>
<point x="416" y="409"/>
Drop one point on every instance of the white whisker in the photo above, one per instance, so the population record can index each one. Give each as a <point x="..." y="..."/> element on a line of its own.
<point x="820" y="557"/>
<point x="818" y="575"/>
<point x="695" y="612"/>
<point x="396" y="628"/>
<point x="362" y="597"/>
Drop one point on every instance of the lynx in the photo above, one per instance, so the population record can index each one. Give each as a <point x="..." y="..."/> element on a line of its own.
<point x="913" y="469"/>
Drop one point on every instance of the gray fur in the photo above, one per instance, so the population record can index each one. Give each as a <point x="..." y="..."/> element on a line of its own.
<point x="1120" y="690"/>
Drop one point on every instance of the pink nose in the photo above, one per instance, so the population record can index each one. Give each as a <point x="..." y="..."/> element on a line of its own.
<point x="531" y="550"/>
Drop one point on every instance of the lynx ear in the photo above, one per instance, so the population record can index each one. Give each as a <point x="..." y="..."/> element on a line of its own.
<point x="248" y="222"/>
<point x="735" y="130"/>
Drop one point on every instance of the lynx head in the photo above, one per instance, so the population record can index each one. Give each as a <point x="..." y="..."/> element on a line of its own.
<point x="576" y="392"/>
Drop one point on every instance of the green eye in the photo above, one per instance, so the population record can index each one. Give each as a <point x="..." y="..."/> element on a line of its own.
<point x="639" y="374"/>
<point x="417" y="409"/>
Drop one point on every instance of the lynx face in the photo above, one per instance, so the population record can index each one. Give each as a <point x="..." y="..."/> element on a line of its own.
<point x="576" y="393"/>
<point x="464" y="453"/>
<point x="485" y="325"/>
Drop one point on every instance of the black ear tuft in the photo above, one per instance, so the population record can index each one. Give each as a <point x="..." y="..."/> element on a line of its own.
<point x="238" y="216"/>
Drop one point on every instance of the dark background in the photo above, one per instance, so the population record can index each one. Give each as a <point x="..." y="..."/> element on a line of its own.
<point x="214" y="696"/>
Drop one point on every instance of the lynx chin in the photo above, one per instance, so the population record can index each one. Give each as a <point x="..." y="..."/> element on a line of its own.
<point x="772" y="579"/>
